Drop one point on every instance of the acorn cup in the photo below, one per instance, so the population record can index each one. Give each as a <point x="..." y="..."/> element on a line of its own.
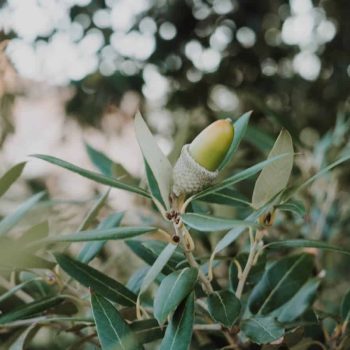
<point x="197" y="166"/>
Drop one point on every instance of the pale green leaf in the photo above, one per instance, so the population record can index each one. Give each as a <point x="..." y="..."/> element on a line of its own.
<point x="158" y="266"/>
<point x="91" y="249"/>
<point x="19" y="343"/>
<point x="158" y="163"/>
<point x="12" y="219"/>
<point x="10" y="177"/>
<point x="274" y="177"/>
<point x="207" y="223"/>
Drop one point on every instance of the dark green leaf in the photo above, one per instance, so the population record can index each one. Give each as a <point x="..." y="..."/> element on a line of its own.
<point x="12" y="219"/>
<point x="33" y="308"/>
<point x="254" y="275"/>
<point x="10" y="177"/>
<point x="147" y="331"/>
<point x="173" y="289"/>
<point x="100" y="160"/>
<point x="307" y="243"/>
<point x="91" y="278"/>
<point x="93" y="212"/>
<point x="224" y="307"/>
<point x="345" y="307"/>
<point x="91" y="249"/>
<point x="240" y="129"/>
<point x="178" y="334"/>
<point x="262" y="330"/>
<point x="153" y="185"/>
<point x="112" y="330"/>
<point x="103" y="179"/>
<point x="300" y="302"/>
<point x="148" y="251"/>
<point x="207" y="223"/>
<point x="280" y="282"/>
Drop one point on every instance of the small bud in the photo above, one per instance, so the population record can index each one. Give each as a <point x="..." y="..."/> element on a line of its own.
<point x="197" y="165"/>
<point x="209" y="148"/>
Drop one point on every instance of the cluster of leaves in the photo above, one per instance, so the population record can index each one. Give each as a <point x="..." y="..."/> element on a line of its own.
<point x="265" y="298"/>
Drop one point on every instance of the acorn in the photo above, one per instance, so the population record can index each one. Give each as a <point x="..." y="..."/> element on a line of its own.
<point x="197" y="166"/>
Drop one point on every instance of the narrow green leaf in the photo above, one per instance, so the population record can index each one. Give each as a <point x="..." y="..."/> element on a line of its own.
<point x="97" y="235"/>
<point x="178" y="334"/>
<point x="158" y="163"/>
<point x="233" y="234"/>
<point x="93" y="212"/>
<point x="112" y="330"/>
<point x="224" y="307"/>
<point x="173" y="289"/>
<point x="136" y="279"/>
<point x="262" y="330"/>
<point x="293" y="206"/>
<point x="307" y="243"/>
<point x="100" y="160"/>
<point x="16" y="288"/>
<point x="33" y="308"/>
<point x="108" y="167"/>
<point x="274" y="177"/>
<point x="10" y="177"/>
<point x="12" y="219"/>
<point x="345" y="307"/>
<point x="19" y="343"/>
<point x="158" y="266"/>
<point x="99" y="282"/>
<point x="280" y="282"/>
<point x="148" y="251"/>
<point x="206" y="223"/>
<point x="147" y="331"/>
<point x="153" y="185"/>
<point x="240" y="127"/>
<point x="90" y="250"/>
<point x="103" y="179"/>
<point x="293" y="190"/>
<point x="240" y="176"/>
<point x="36" y="232"/>
<point x="226" y="197"/>
<point x="300" y="302"/>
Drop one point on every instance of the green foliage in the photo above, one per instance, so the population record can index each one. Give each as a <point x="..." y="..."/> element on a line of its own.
<point x="259" y="277"/>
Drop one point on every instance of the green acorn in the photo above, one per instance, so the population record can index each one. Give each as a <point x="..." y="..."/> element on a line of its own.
<point x="197" y="165"/>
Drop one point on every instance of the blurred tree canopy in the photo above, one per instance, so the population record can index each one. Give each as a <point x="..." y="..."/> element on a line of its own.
<point x="288" y="60"/>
